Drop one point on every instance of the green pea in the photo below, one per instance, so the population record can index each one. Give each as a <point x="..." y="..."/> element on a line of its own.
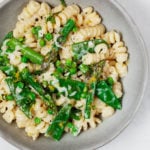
<point x="74" y="64"/>
<point x="72" y="71"/>
<point x="11" y="45"/>
<point x="68" y="62"/>
<point x="49" y="111"/>
<point x="42" y="42"/>
<point x="58" y="63"/>
<point x="48" y="36"/>
<point x="83" y="95"/>
<point x="37" y="120"/>
<point x="36" y="29"/>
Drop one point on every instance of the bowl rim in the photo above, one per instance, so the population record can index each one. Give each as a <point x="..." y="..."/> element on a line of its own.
<point x="139" y="36"/>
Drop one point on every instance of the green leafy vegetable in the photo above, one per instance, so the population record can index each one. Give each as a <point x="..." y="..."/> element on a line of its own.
<point x="56" y="129"/>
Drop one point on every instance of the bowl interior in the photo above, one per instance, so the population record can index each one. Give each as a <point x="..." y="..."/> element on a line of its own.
<point x="134" y="83"/>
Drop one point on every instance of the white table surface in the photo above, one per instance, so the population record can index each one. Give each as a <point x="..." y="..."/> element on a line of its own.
<point x="137" y="135"/>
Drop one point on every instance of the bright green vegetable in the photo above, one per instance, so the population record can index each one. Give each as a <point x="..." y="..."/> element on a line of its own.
<point x="37" y="120"/>
<point x="50" y="112"/>
<point x="28" y="78"/>
<point x="22" y="99"/>
<point x="89" y="100"/>
<point x="56" y="129"/>
<point x="110" y="81"/>
<point x="9" y="97"/>
<point x="73" y="129"/>
<point x="84" y="68"/>
<point x="32" y="55"/>
<point x="8" y="70"/>
<point x="74" y="88"/>
<point x="106" y="94"/>
<point x="82" y="48"/>
<point x="52" y="55"/>
<point x="75" y="29"/>
<point x="42" y="42"/>
<point x="9" y="35"/>
<point x="96" y="73"/>
<point x="68" y="27"/>
<point x="35" y="31"/>
<point x="48" y="36"/>
<point x="24" y="59"/>
<point x="72" y="71"/>
<point x="68" y="62"/>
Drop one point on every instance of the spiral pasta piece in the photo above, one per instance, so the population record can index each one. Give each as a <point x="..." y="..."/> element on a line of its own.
<point x="112" y="37"/>
<point x="88" y="33"/>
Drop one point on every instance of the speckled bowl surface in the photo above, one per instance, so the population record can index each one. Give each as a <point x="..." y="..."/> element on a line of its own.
<point x="114" y="17"/>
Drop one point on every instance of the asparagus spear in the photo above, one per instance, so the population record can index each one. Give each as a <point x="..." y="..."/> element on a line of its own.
<point x="52" y="55"/>
<point x="57" y="126"/>
<point x="24" y="99"/>
<point x="28" y="78"/>
<point x="96" y="73"/>
<point x="32" y="55"/>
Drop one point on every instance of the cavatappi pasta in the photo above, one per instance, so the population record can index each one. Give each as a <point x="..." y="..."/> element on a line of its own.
<point x="60" y="70"/>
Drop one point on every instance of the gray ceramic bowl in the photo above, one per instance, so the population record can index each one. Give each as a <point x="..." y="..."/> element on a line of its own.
<point x="114" y="17"/>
